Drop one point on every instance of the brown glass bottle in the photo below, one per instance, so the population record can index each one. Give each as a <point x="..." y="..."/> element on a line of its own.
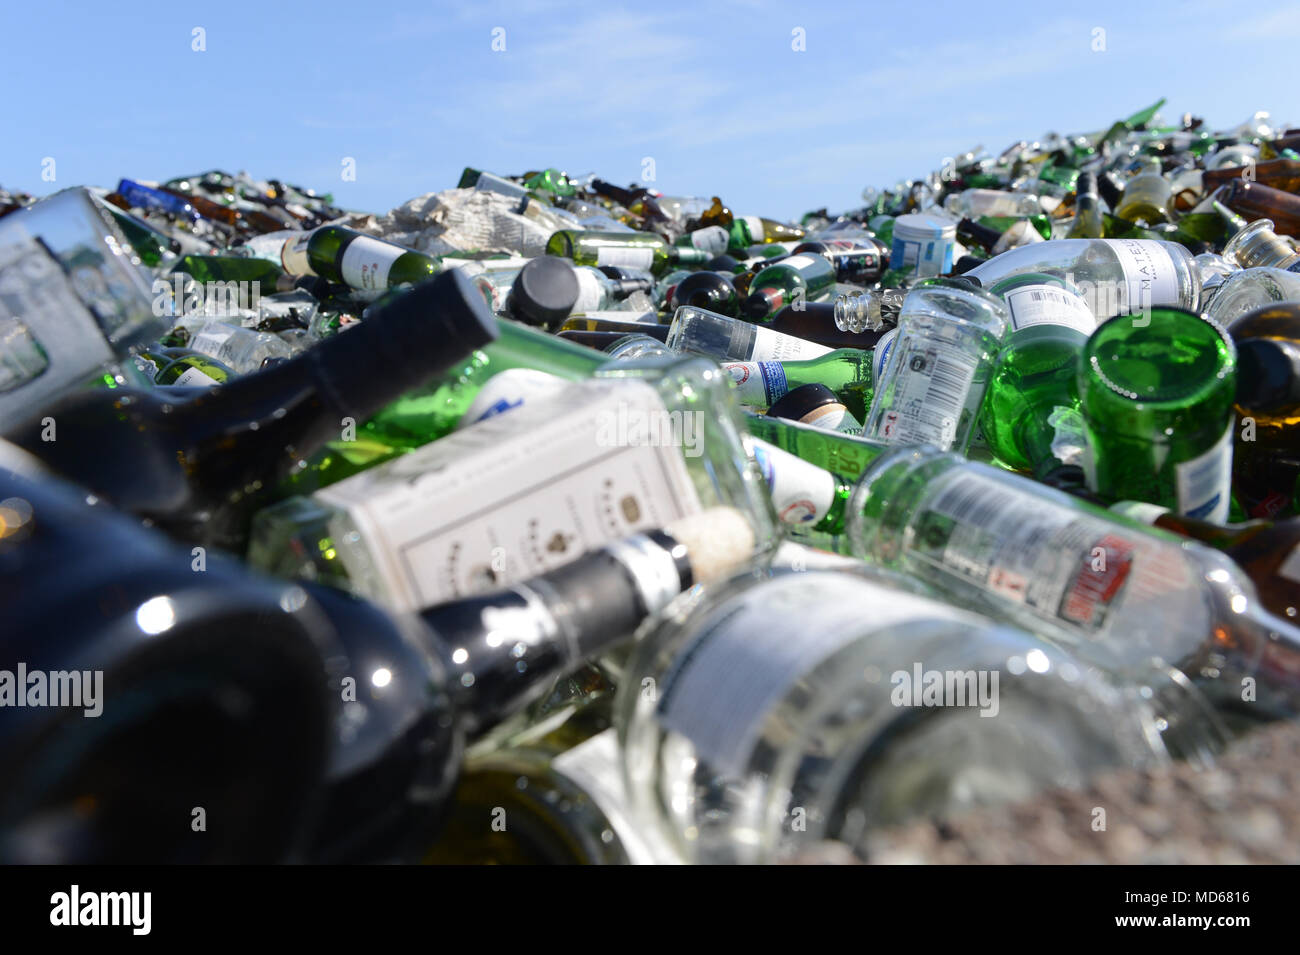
<point x="252" y="221"/>
<point x="1254" y="200"/>
<point x="1266" y="459"/>
<point x="1281" y="174"/>
<point x="815" y="322"/>
<point x="1274" y="147"/>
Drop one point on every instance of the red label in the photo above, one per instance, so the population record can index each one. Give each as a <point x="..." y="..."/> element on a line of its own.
<point x="1105" y="568"/>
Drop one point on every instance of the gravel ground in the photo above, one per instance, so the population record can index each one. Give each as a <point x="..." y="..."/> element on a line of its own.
<point x="1244" y="810"/>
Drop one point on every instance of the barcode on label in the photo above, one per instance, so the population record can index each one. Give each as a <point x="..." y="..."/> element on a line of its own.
<point x="1045" y="305"/>
<point x="932" y="390"/>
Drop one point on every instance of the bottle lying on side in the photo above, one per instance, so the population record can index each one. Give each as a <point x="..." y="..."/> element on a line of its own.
<point x="198" y="468"/>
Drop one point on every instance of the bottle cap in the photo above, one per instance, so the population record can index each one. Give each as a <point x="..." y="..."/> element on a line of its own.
<point x="402" y="344"/>
<point x="799" y="402"/>
<point x="966" y="263"/>
<point x="545" y="291"/>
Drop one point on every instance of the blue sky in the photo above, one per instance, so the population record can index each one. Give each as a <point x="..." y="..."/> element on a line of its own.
<point x="713" y="93"/>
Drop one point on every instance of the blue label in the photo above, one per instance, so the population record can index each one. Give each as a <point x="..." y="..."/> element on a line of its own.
<point x="143" y="197"/>
<point x="765" y="465"/>
<point x="883" y="347"/>
<point x="1205" y="509"/>
<point x="501" y="406"/>
<point x="774" y="382"/>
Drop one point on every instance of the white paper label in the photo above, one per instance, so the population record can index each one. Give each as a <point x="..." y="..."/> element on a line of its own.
<point x="801" y="492"/>
<point x="194" y="378"/>
<point x="756" y="231"/>
<point x="293" y="256"/>
<point x="212" y="338"/>
<point x="754" y="648"/>
<point x="366" y="262"/>
<point x="770" y="345"/>
<point x="630" y="257"/>
<point x="519" y="494"/>
<point x="931" y="386"/>
<point x="759" y="384"/>
<point x="1149" y="273"/>
<point x="1032" y="305"/>
<point x="591" y="294"/>
<point x="712" y="239"/>
<point x="508" y="390"/>
<point x="1139" y="511"/>
<point x="1204" y="484"/>
<point x="615" y="315"/>
<point x="833" y="417"/>
<point x="797" y="261"/>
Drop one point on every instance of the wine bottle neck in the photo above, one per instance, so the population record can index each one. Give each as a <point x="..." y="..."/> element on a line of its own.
<point x="347" y="378"/>
<point x="503" y="648"/>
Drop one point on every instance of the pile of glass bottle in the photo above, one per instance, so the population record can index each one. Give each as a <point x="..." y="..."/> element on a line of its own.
<point x="1017" y="442"/>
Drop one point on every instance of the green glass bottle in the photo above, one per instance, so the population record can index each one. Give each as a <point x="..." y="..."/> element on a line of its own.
<point x="229" y="268"/>
<point x="1088" y="222"/>
<point x="434" y="410"/>
<point x="844" y="454"/>
<point x="153" y="247"/>
<point x="1050" y="324"/>
<point x="1137" y="121"/>
<point x="551" y="182"/>
<point x="639" y="250"/>
<point x="1157" y="395"/>
<point x="186" y="369"/>
<point x="846" y="371"/>
<point x="746" y="231"/>
<point x="806" y="277"/>
<point x="360" y="261"/>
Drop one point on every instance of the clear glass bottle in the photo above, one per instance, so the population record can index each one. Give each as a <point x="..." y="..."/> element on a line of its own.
<point x="771" y="713"/>
<point x="1258" y="246"/>
<point x="240" y="349"/>
<point x="949" y="337"/>
<point x="1248" y="289"/>
<point x="973" y="203"/>
<point x="695" y="331"/>
<point x="868" y="310"/>
<point x="524" y="492"/>
<point x="1116" y="276"/>
<point x="1116" y="593"/>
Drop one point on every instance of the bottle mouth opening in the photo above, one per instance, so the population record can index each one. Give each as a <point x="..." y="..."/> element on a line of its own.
<point x="1257" y="246"/>
<point x="1166" y="356"/>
